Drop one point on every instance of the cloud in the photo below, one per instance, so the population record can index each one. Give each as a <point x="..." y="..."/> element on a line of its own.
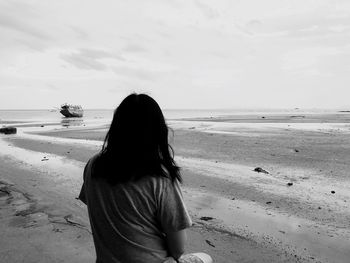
<point x="19" y="17"/>
<point x="134" y="48"/>
<point x="307" y="59"/>
<point x="17" y="25"/>
<point x="254" y="24"/>
<point x="256" y="28"/>
<point x="320" y="22"/>
<point x="206" y="10"/>
<point x="90" y="59"/>
<point x="135" y="73"/>
<point x="311" y="26"/>
<point x="52" y="87"/>
<point x="80" y="33"/>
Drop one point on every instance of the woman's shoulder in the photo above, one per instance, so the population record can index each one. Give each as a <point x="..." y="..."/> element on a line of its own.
<point x="160" y="183"/>
<point x="90" y="163"/>
<point x="94" y="157"/>
<point x="93" y="160"/>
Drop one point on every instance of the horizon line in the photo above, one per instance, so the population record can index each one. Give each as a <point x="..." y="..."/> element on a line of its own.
<point x="247" y="108"/>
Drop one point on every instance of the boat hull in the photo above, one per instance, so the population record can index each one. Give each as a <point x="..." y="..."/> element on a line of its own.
<point x="70" y="113"/>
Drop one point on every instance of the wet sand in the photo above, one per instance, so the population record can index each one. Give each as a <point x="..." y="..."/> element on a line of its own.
<point x="298" y="212"/>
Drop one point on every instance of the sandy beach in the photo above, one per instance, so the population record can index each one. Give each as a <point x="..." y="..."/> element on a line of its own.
<point x="296" y="209"/>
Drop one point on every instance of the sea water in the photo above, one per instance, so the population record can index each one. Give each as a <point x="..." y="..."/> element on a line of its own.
<point x="106" y="115"/>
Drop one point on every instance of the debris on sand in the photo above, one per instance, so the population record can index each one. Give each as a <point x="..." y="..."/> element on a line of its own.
<point x="8" y="130"/>
<point x="69" y="220"/>
<point x="260" y="170"/>
<point x="290" y="184"/>
<point x="4" y="192"/>
<point x="209" y="243"/>
<point x="269" y="202"/>
<point x="206" y="218"/>
<point x="44" y="159"/>
<point x="297" y="116"/>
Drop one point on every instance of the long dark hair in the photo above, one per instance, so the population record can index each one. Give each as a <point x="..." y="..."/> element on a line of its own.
<point x="136" y="144"/>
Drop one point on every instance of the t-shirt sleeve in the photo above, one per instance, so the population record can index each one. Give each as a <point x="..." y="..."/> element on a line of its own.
<point x="82" y="195"/>
<point x="172" y="212"/>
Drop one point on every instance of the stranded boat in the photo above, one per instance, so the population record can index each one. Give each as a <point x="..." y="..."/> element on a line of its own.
<point x="69" y="110"/>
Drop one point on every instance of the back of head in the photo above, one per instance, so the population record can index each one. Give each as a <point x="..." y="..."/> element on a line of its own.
<point x="136" y="144"/>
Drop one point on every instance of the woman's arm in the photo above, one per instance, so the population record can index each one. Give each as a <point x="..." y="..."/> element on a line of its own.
<point x="176" y="243"/>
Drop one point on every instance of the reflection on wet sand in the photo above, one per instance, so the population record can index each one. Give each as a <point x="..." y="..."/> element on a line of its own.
<point x="249" y="219"/>
<point x="67" y="122"/>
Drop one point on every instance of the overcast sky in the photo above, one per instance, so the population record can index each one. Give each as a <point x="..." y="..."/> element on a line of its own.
<point x="184" y="53"/>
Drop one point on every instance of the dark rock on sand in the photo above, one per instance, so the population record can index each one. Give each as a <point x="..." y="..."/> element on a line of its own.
<point x="8" y="130"/>
<point x="260" y="170"/>
<point x="333" y="192"/>
<point x="290" y="184"/>
<point x="206" y="218"/>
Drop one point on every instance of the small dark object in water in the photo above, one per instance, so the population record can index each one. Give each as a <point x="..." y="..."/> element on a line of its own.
<point x="263" y="117"/>
<point x="42" y="126"/>
<point x="319" y="207"/>
<point x="290" y="184"/>
<point x="8" y="130"/>
<point x="296" y="150"/>
<point x="191" y="128"/>
<point x="269" y="202"/>
<point x="206" y="218"/>
<point x="333" y="192"/>
<point x="209" y="243"/>
<point x="260" y="170"/>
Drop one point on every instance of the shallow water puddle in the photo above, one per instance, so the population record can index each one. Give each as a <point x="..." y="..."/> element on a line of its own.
<point x="46" y="162"/>
<point x="249" y="220"/>
<point x="25" y="133"/>
<point x="251" y="128"/>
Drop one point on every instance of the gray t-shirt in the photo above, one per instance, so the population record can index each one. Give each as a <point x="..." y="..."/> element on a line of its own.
<point x="128" y="221"/>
